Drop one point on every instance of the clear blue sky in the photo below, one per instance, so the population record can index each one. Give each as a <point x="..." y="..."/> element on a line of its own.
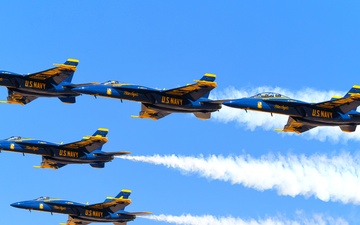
<point x="165" y="44"/>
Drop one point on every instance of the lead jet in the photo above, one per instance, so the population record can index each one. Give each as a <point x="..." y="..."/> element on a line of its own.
<point x="23" y="89"/>
<point x="55" y="156"/>
<point x="111" y="210"/>
<point x="156" y="104"/>
<point x="303" y="116"/>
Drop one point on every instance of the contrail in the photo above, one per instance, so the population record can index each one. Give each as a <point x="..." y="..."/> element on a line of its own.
<point x="253" y="120"/>
<point x="335" y="178"/>
<point x="210" y="220"/>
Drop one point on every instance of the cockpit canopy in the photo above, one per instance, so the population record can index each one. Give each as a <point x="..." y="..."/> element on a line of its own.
<point x="42" y="198"/>
<point x="14" y="138"/>
<point x="111" y="82"/>
<point x="270" y="95"/>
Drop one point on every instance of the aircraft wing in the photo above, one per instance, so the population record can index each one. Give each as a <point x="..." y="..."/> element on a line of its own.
<point x="295" y="126"/>
<point x="18" y="98"/>
<point x="120" y="223"/>
<point x="59" y="73"/>
<point x="50" y="164"/>
<point x="344" y="104"/>
<point x="89" y="143"/>
<point x="197" y="90"/>
<point x="113" y="202"/>
<point x="150" y="113"/>
<point x="73" y="221"/>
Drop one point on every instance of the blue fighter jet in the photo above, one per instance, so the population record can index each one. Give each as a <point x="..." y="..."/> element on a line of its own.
<point x="155" y="104"/>
<point x="111" y="210"/>
<point x="303" y="116"/>
<point x="23" y="89"/>
<point x="55" y="156"/>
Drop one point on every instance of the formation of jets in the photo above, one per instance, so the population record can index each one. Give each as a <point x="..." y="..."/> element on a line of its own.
<point x="155" y="104"/>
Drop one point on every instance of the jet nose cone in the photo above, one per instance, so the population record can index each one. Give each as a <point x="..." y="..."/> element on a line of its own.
<point x="16" y="205"/>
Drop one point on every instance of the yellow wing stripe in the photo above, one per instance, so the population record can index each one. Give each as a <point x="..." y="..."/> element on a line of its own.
<point x="111" y="203"/>
<point x="336" y="103"/>
<point x="87" y="140"/>
<point x="51" y="72"/>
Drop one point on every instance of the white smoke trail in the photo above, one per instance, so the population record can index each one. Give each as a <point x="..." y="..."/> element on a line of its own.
<point x="335" y="178"/>
<point x="253" y="120"/>
<point x="210" y="220"/>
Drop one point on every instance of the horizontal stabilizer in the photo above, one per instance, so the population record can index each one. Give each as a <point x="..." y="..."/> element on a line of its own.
<point x="68" y="100"/>
<point x="203" y="116"/>
<point x="348" y="128"/>
<point x="111" y="153"/>
<point x="98" y="165"/>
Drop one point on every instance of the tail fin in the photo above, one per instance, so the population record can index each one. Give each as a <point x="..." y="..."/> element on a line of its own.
<point x="98" y="165"/>
<point x="355" y="90"/>
<point x="68" y="100"/>
<point x="101" y="132"/>
<point x="70" y="63"/>
<point x="208" y="77"/>
<point x="124" y="194"/>
<point x="114" y="204"/>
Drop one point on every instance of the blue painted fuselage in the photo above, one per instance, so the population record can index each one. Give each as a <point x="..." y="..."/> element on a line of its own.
<point x="151" y="98"/>
<point x="55" y="152"/>
<point x="306" y="113"/>
<point x="75" y="210"/>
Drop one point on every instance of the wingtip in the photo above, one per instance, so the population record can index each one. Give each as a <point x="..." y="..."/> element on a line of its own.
<point x="278" y="130"/>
